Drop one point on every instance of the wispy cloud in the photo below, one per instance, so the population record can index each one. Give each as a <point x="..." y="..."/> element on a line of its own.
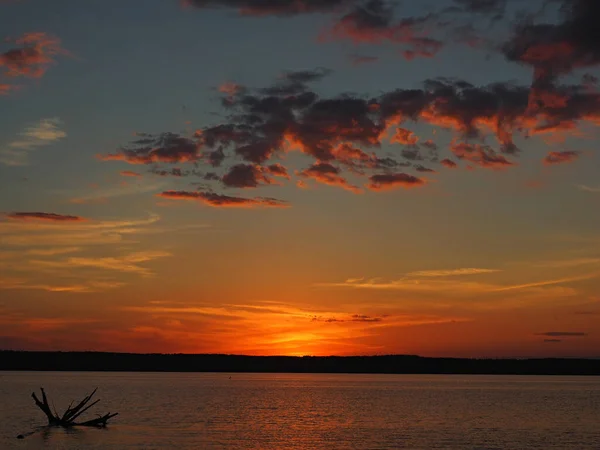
<point x="84" y="286"/>
<point x="102" y="194"/>
<point x="283" y="328"/>
<point x="53" y="251"/>
<point x="574" y="262"/>
<point x="588" y="276"/>
<point x="41" y="134"/>
<point x="451" y="287"/>
<point x="45" y="263"/>
<point x="451" y="272"/>
<point x="562" y="334"/>
<point x="126" y="263"/>
<point x="583" y="187"/>
<point x="50" y="217"/>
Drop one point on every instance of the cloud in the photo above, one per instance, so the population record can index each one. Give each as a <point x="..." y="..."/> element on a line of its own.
<point x="165" y="147"/>
<point x="65" y="257"/>
<point x="287" y="328"/>
<point x="86" y="286"/>
<point x="53" y="251"/>
<point x="126" y="264"/>
<point x="33" y="57"/>
<point x="494" y="7"/>
<point x="101" y="194"/>
<point x="129" y="173"/>
<point x="353" y="318"/>
<point x="588" y="188"/>
<point x="380" y="182"/>
<point x="574" y="262"/>
<point x="348" y="136"/>
<point x="373" y="22"/>
<point x="223" y="201"/>
<point x="560" y="157"/>
<point x="246" y="176"/>
<point x="562" y="334"/>
<point x="271" y="7"/>
<point x="326" y="173"/>
<point x="535" y="284"/>
<point x="277" y="170"/>
<point x="451" y="272"/>
<point x="359" y="60"/>
<point x="41" y="134"/>
<point x="42" y="232"/>
<point x="50" y="217"/>
<point x="480" y="155"/>
<point x="554" y="49"/>
<point x="438" y="284"/>
<point x="404" y="136"/>
<point x="5" y="89"/>
<point x="448" y="163"/>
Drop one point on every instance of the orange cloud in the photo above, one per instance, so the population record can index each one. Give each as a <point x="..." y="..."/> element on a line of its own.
<point x="230" y="88"/>
<point x="327" y="174"/>
<point x="129" y="173"/>
<point x="448" y="163"/>
<point x="404" y="136"/>
<point x="480" y="155"/>
<point x="33" y="58"/>
<point x="553" y="158"/>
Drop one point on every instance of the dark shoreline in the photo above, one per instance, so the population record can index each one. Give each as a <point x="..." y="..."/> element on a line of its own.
<point x="389" y="364"/>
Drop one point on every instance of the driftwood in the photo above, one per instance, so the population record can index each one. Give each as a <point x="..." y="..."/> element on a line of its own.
<point x="67" y="419"/>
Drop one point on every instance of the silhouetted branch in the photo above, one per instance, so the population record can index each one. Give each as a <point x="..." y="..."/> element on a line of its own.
<point x="72" y="412"/>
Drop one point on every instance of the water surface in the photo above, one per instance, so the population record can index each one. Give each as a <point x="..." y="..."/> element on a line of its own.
<point x="309" y="411"/>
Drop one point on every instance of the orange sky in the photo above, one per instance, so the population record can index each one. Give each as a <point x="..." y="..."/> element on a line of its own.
<point x="337" y="177"/>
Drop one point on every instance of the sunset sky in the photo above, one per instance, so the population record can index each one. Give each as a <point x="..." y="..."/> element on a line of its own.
<point x="301" y="176"/>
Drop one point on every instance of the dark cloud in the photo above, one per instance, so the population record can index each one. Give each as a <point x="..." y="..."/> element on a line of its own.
<point x="353" y="318"/>
<point x="388" y="181"/>
<point x="272" y="7"/>
<point x="246" y="176"/>
<point x="373" y="22"/>
<point x="345" y="136"/>
<point x="495" y="7"/>
<point x="481" y="155"/>
<point x="165" y="148"/>
<point x="364" y="318"/>
<point x="51" y="217"/>
<point x="554" y="49"/>
<point x="277" y="170"/>
<point x="553" y="158"/>
<point x="223" y="201"/>
<point x="563" y="334"/>
<point x="174" y="172"/>
<point x="423" y="169"/>
<point x="412" y="153"/>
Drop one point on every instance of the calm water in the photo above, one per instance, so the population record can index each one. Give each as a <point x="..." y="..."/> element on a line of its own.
<point x="288" y="411"/>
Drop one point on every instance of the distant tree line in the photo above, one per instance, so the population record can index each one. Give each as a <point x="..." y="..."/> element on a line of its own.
<point x="390" y="364"/>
